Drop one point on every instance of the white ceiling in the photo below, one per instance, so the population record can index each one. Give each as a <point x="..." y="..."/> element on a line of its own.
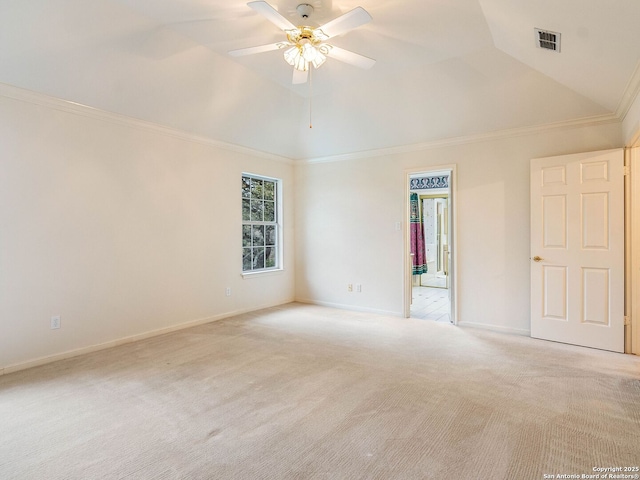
<point x="445" y="68"/>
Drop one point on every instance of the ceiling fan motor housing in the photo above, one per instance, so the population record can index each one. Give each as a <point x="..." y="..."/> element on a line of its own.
<point x="304" y="10"/>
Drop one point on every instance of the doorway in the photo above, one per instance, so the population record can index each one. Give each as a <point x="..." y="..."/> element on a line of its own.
<point x="430" y="245"/>
<point x="435" y="226"/>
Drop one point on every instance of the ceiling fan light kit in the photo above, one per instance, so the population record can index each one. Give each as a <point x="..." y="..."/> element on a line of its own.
<point x="305" y="45"/>
<point x="307" y="48"/>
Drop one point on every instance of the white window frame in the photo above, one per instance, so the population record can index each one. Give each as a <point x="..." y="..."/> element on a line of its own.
<point x="277" y="224"/>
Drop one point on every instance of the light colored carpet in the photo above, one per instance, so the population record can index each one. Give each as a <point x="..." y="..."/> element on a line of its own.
<point x="306" y="392"/>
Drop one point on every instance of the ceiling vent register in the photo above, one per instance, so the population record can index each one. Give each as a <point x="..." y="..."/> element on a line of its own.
<point x="548" y="40"/>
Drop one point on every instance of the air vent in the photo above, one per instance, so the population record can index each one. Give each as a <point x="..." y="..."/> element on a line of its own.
<point x="548" y="40"/>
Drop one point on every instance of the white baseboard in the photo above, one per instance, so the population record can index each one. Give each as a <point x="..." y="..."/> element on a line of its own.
<point x="354" y="308"/>
<point x="496" y="328"/>
<point x="173" y="328"/>
<point x="36" y="362"/>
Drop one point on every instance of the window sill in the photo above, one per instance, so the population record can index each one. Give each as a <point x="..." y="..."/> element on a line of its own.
<point x="262" y="273"/>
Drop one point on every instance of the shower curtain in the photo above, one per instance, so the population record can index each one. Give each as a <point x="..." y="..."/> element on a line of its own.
<point x="419" y="257"/>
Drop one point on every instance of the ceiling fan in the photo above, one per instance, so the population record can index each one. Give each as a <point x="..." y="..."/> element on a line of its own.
<point x="305" y="46"/>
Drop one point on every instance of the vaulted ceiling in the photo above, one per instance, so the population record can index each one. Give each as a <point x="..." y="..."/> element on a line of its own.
<point x="445" y="68"/>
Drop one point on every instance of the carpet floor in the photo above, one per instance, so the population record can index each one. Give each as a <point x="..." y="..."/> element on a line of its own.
<point x="308" y="392"/>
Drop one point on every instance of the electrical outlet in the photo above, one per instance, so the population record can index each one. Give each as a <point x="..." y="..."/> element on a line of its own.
<point x="228" y="291"/>
<point x="350" y="287"/>
<point x="358" y="288"/>
<point x="55" y="322"/>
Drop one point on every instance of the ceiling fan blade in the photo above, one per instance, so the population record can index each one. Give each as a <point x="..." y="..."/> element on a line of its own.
<point x="299" y="76"/>
<point x="351" y="58"/>
<point x="271" y="14"/>
<point x="350" y="20"/>
<point x="259" y="49"/>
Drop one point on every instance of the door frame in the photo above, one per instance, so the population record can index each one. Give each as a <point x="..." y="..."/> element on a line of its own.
<point x="453" y="241"/>
<point x="632" y="280"/>
<point x="437" y="196"/>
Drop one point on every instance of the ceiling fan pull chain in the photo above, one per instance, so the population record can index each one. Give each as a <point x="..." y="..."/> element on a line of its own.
<point x="310" y="95"/>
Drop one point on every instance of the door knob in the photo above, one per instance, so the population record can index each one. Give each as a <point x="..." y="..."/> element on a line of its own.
<point x="537" y="259"/>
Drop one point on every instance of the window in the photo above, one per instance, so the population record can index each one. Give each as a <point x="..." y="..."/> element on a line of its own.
<point x="260" y="223"/>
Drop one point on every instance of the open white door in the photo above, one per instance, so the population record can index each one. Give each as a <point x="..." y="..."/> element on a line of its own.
<point x="577" y="249"/>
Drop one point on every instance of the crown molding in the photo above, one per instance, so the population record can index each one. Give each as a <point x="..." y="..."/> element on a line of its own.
<point x="631" y="92"/>
<point x="466" y="139"/>
<point x="67" y="106"/>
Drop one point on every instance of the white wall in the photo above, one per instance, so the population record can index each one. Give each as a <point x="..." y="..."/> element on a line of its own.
<point x="120" y="229"/>
<point x="126" y="230"/>
<point x="346" y="213"/>
<point x="631" y="124"/>
<point x="631" y="136"/>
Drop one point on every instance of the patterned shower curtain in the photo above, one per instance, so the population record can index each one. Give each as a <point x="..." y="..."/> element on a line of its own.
<point x="419" y="257"/>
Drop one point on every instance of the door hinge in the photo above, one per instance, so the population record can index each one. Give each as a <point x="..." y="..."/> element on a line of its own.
<point x="627" y="320"/>
<point x="626" y="170"/>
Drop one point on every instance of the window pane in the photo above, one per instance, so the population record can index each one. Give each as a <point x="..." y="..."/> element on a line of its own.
<point x="258" y="258"/>
<point x="246" y="187"/>
<point x="270" y="257"/>
<point x="246" y="259"/>
<point x="246" y="209"/>
<point x="257" y="190"/>
<point x="246" y="235"/>
<point x="260" y="228"/>
<point x="258" y="236"/>
<point x="257" y="208"/>
<point x="269" y="190"/>
<point x="270" y="235"/>
<point x="269" y="211"/>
